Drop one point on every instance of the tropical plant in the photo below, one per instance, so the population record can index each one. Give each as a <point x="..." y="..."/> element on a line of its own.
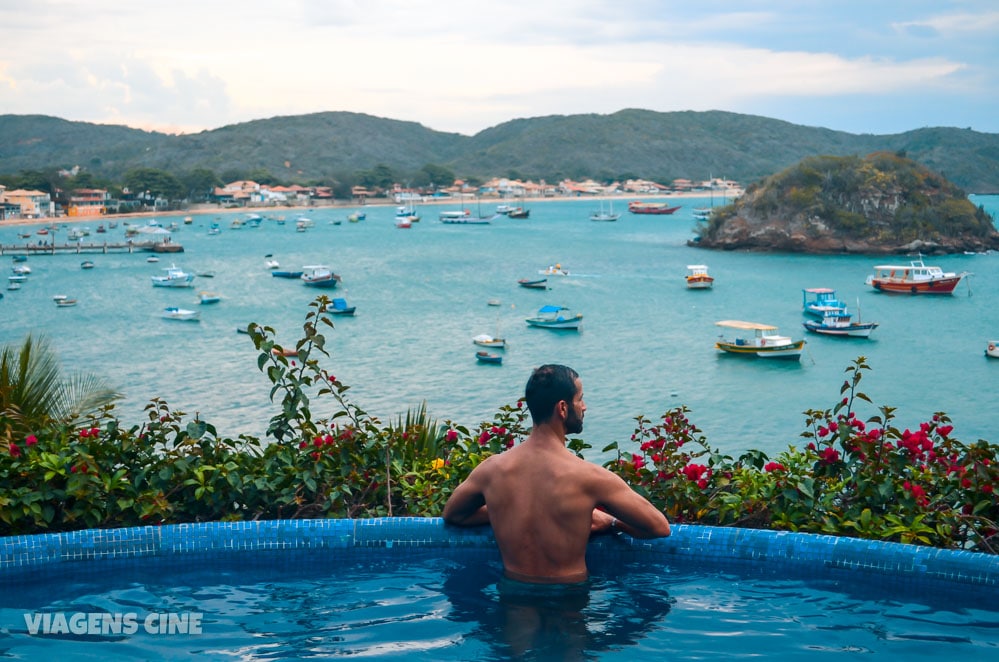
<point x="34" y="392"/>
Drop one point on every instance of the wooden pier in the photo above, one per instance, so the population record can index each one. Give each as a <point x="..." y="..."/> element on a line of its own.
<point x="81" y="248"/>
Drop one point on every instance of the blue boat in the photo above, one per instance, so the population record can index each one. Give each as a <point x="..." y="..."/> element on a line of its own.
<point x="340" y="307"/>
<point x="823" y="302"/>
<point x="555" y="317"/>
<point x="487" y="357"/>
<point x="287" y="274"/>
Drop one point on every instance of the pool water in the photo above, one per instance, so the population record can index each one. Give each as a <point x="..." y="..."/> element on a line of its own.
<point x="422" y="604"/>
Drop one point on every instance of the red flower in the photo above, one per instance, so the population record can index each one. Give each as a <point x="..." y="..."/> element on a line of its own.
<point x="945" y="430"/>
<point x="30" y="440"/>
<point x="637" y="460"/>
<point x="829" y="455"/>
<point x="703" y="484"/>
<point x="451" y="436"/>
<point x="483" y="438"/>
<point x="987" y="488"/>
<point x="774" y="466"/>
<point x="15" y="450"/>
<point x="303" y="445"/>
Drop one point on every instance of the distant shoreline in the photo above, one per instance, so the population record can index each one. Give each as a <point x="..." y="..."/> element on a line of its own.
<point x="209" y="208"/>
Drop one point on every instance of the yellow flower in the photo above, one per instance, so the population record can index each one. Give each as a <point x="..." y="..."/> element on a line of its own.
<point x="437" y="464"/>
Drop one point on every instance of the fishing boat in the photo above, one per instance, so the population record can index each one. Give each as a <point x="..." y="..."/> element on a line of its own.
<point x="556" y="270"/>
<point x="604" y="214"/>
<point x="405" y="216"/>
<point x="488" y="357"/>
<point x="464" y="217"/>
<point x="208" y="297"/>
<point x="840" y="324"/>
<point x="915" y="278"/>
<point x="486" y="340"/>
<point x="654" y="208"/>
<point x="765" y="341"/>
<point x="174" y="277"/>
<point x="518" y="212"/>
<point x="181" y="314"/>
<point x="821" y="301"/>
<point x="340" y="307"/>
<point x="992" y="349"/>
<point x="555" y="317"/>
<point x="534" y="284"/>
<point x="697" y="277"/>
<point x="65" y="302"/>
<point x="317" y="275"/>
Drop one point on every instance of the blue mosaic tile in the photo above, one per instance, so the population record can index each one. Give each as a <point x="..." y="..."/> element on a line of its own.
<point x="704" y="546"/>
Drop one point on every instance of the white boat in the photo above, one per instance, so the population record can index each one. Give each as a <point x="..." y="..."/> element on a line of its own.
<point x="486" y="340"/>
<point x="272" y="264"/>
<point x="20" y="270"/>
<point x="822" y="302"/>
<point x="174" y="277"/>
<point x="65" y="302"/>
<point x="765" y="341"/>
<point x="182" y="314"/>
<point x="992" y="349"/>
<point x="152" y="259"/>
<point x="465" y="217"/>
<point x="318" y="275"/>
<point x="87" y="264"/>
<point x="208" y="297"/>
<point x="556" y="270"/>
<point x="697" y="277"/>
<point x="605" y="214"/>
<point x="840" y="324"/>
<point x="555" y="317"/>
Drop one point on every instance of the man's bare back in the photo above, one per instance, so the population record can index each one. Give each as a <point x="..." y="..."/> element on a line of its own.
<point x="543" y="501"/>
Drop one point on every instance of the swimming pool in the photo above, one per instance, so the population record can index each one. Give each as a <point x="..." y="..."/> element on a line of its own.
<point x="412" y="588"/>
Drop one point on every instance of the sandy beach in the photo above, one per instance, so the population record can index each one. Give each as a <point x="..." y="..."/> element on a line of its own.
<point x="209" y="208"/>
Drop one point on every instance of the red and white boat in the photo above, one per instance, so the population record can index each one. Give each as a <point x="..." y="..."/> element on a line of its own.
<point x="914" y="278"/>
<point x="637" y="207"/>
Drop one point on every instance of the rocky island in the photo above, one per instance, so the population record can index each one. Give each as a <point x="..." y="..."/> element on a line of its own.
<point x="884" y="203"/>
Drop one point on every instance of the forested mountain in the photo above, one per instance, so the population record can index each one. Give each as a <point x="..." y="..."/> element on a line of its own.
<point x="324" y="147"/>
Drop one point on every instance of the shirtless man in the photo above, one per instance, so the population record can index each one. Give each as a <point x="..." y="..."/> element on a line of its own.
<point x="542" y="501"/>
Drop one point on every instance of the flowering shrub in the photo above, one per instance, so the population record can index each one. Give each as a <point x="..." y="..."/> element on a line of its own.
<point x="853" y="477"/>
<point x="329" y="458"/>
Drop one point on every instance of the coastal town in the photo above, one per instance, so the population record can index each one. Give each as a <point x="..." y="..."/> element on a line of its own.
<point x="88" y="203"/>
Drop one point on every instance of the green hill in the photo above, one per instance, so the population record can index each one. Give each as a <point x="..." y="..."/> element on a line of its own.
<point x="629" y="143"/>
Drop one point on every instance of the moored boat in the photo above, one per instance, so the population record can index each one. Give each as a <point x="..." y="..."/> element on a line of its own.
<point x="534" y="284"/>
<point x="915" y="278"/>
<point x="697" y="277"/>
<point x="840" y="324"/>
<point x="287" y="274"/>
<point x="488" y="357"/>
<point x="175" y="277"/>
<point x="821" y="302"/>
<point x="486" y="340"/>
<point x="65" y="302"/>
<point x="992" y="349"/>
<point x="556" y="270"/>
<point x="318" y="275"/>
<point x="87" y="264"/>
<point x="765" y="342"/>
<point x="208" y="297"/>
<point x="518" y="212"/>
<point x="604" y="214"/>
<point x="555" y="317"/>
<point x="655" y="208"/>
<point x="181" y="314"/>
<point x="340" y="307"/>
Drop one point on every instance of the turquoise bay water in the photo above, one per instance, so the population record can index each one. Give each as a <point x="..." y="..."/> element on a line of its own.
<point x="421" y="294"/>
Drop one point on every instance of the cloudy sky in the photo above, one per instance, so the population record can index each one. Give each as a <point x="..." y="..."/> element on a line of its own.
<point x="871" y="66"/>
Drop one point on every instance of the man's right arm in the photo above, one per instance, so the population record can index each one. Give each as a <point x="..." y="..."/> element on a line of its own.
<point x="634" y="514"/>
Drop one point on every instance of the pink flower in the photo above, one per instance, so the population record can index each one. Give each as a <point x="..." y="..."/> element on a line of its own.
<point x="774" y="466"/>
<point x="945" y="430"/>
<point x="483" y="438"/>
<point x="15" y="450"/>
<point x="451" y="436"/>
<point x="30" y="440"/>
<point x="637" y="460"/>
<point x="829" y="455"/>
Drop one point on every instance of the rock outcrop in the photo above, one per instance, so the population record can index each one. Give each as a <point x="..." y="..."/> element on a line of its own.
<point x="881" y="204"/>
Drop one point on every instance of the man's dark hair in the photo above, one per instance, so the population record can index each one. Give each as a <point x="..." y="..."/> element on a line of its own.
<point x="548" y="385"/>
